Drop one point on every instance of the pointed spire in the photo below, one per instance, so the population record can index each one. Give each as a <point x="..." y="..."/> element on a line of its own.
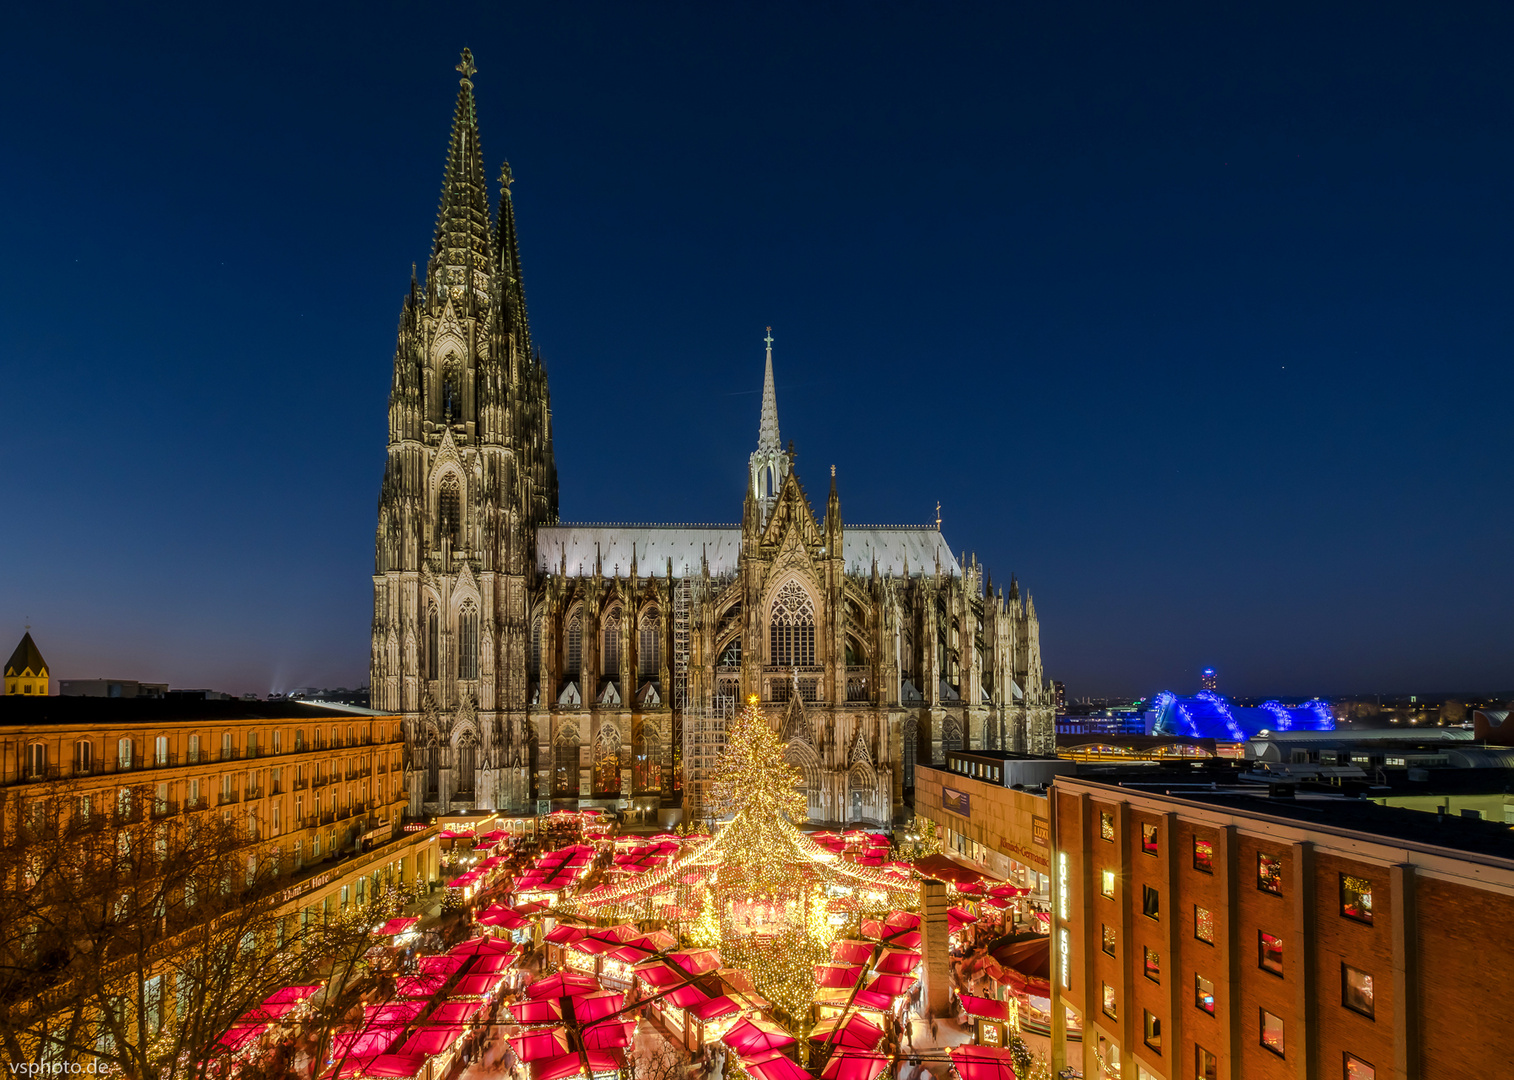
<point x="462" y="221"/>
<point x="767" y="431"/>
<point x="509" y="264"/>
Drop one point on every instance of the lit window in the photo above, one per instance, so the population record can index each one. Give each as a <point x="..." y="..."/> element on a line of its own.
<point x="610" y="653"/>
<point x="1356" y="898"/>
<point x="1153" y="1029"/>
<point x="1203" y="994"/>
<point x="1272" y="1032"/>
<point x="1270" y="953"/>
<point x="1151" y="902"/>
<point x="1203" y="924"/>
<point x="1106" y="825"/>
<point x="1108" y="939"/>
<point x="1357" y="1069"/>
<point x="1356" y="990"/>
<point x="791" y="628"/>
<point x="1269" y="874"/>
<point x="1106" y="884"/>
<point x="1111" y="1007"/>
<point x="1206" y="1065"/>
<point x="1149" y="839"/>
<point x="1153" y="965"/>
<point x="1203" y="855"/>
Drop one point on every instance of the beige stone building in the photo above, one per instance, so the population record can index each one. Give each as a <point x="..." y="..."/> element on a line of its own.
<point x="319" y="786"/>
<point x="535" y="660"/>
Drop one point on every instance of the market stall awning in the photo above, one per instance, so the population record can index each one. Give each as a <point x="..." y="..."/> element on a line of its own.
<point x="397" y="926"/>
<point x="241" y="1034"/>
<point x="696" y="961"/>
<point x="715" y="1008"/>
<point x="897" y="962"/>
<point x="540" y="1043"/>
<point x="686" y="997"/>
<point x="292" y="993"/>
<point x="842" y="975"/>
<point x="365" y="1043"/>
<point x="892" y="985"/>
<point x="773" y="1065"/>
<point x="399" y="1065"/>
<point x="454" y="1012"/>
<point x="492" y="963"/>
<point x="985" y="1008"/>
<point x="752" y="1034"/>
<point x="563" y="984"/>
<point x="392" y="1012"/>
<point x="476" y="985"/>
<point x="546" y="1010"/>
<point x="851" y="951"/>
<point x="439" y="965"/>
<point x="847" y="1064"/>
<point x="597" y="1005"/>
<point x="501" y="916"/>
<point x="609" y="1034"/>
<point x="482" y="945"/>
<point x="982" y="1063"/>
<point x="856" y="1031"/>
<point x="419" y="986"/>
<point x="432" y="1039"/>
<point x="600" y="1062"/>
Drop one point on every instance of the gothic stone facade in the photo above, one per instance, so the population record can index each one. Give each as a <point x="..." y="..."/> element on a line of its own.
<point x="534" y="660"/>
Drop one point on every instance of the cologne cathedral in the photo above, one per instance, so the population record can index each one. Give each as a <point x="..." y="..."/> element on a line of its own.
<point x="537" y="662"/>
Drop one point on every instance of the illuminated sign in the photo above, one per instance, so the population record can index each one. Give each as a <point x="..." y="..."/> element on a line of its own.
<point x="956" y="801"/>
<point x="1040" y="830"/>
<point x="416" y="826"/>
<point x="1062" y="903"/>
<point x="1064" y="948"/>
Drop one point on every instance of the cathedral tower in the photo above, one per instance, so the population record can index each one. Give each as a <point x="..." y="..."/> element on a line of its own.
<point x="468" y="479"/>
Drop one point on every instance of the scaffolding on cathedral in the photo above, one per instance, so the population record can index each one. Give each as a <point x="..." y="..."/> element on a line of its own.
<point x="767" y="896"/>
<point x="701" y="736"/>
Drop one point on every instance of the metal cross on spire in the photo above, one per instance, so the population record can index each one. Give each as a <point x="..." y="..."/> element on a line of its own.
<point x="465" y="65"/>
<point x="769" y="339"/>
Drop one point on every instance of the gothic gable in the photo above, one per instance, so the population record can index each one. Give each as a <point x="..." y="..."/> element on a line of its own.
<point x="792" y="514"/>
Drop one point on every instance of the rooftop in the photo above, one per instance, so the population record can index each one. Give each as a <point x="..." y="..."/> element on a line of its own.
<point x="23" y="711"/>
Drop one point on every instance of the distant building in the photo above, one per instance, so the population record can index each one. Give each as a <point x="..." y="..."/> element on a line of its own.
<point x="1208" y="715"/>
<point x="26" y="671"/>
<point x="111" y="688"/>
<point x="1059" y="694"/>
<point x="1209" y="679"/>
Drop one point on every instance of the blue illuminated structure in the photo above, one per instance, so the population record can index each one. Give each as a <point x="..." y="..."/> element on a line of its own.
<point x="1207" y="715"/>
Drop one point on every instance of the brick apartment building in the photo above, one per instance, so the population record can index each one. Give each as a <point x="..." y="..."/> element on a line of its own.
<point x="1219" y="935"/>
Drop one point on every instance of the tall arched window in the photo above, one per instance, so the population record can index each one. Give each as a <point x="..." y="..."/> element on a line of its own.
<point x="909" y="737"/>
<point x="433" y="641"/>
<point x="610" y="656"/>
<point x="565" y="764"/>
<point x="467" y="643"/>
<point x="607" y="761"/>
<point x="648" y="645"/>
<point x="792" y="627"/>
<point x="533" y="657"/>
<point x="467" y="761"/>
<point x="575" y="646"/>
<point x="452" y="402"/>
<point x="648" y="763"/>
<point x="449" y="510"/>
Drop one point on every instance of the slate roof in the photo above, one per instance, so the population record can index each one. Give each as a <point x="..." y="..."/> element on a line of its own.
<point x="26" y="657"/>
<point x="16" y="710"/>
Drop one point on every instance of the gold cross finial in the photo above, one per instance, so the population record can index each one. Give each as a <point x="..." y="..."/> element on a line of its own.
<point x="938" y="515"/>
<point x="465" y="65"/>
<point x="769" y="339"/>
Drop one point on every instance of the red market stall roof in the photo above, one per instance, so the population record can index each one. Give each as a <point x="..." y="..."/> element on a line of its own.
<point x="563" y="984"/>
<point x="982" y="1063"/>
<point x="897" y="962"/>
<point x="715" y="1008"/>
<point x="659" y="974"/>
<point x="609" y="1034"/>
<point x="540" y="1043"/>
<point x="419" y="986"/>
<point x="856" y="1031"/>
<point x="559" y="1068"/>
<point x="686" y="997"/>
<point x="696" y="961"/>
<point x="291" y="993"/>
<point x="470" y="878"/>
<point x="440" y="965"/>
<point x="946" y="869"/>
<point x="454" y="1012"/>
<point x="892" y="985"/>
<point x="432" y="1039"/>
<point x="481" y="945"/>
<point x="241" y="1034"/>
<point x="499" y="915"/>
<point x="376" y="1040"/>
<point x="986" y="1008"/>
<point x="390" y="1065"/>
<point x="476" y="985"/>
<point x="597" y="1006"/>
<point x="493" y="963"/>
<point x="1028" y="956"/>
<point x="842" y="975"/>
<point x="397" y="926"/>
<point x="540" y="1011"/>
<point x="563" y="934"/>
<point x="848" y="1064"/>
<point x="962" y="915"/>
<point x="392" y="1012"/>
<point x="752" y="1034"/>
<point x="773" y="1065"/>
<point x="851" y="951"/>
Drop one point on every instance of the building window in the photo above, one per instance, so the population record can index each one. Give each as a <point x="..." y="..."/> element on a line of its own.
<point x="1203" y="994"/>
<point x="791" y="628"/>
<point x="1269" y="874"/>
<point x="610" y="667"/>
<point x="533" y="657"/>
<point x="1106" y="825"/>
<point x="1111" y="1007"/>
<point x="1153" y="1030"/>
<point x="1203" y="856"/>
<point x="84" y="756"/>
<point x="1270" y="953"/>
<point x="36" y="760"/>
<point x="1106" y="883"/>
<point x="1151" y="902"/>
<point x="1356" y="990"/>
<point x="1203" y="925"/>
<point x="433" y="644"/>
<point x="1206" y="1065"/>
<point x="575" y="646"/>
<point x="1153" y="965"/>
<point x="467" y="643"/>
<point x="1272" y="1032"/>
<point x="449" y="511"/>
<point x="1356" y="898"/>
<point x="1149" y="839"/>
<point x="160" y="750"/>
<point x="1108" y="939"/>
<point x="123" y="754"/>
<point x="1357" y="1069"/>
<point x="648" y="646"/>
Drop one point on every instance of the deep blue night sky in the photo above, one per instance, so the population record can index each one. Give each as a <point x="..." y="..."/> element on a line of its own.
<point x="1199" y="323"/>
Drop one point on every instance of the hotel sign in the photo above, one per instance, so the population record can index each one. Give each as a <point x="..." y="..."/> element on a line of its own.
<point x="956" y="801"/>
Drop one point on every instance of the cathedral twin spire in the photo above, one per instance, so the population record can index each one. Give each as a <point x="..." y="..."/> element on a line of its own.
<point x="768" y="464"/>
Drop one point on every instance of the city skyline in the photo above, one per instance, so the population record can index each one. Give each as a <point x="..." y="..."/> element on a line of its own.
<point x="1100" y="401"/>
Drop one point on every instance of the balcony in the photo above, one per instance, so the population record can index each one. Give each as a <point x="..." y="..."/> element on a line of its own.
<point x="31" y="773"/>
<point x="229" y="755"/>
<point x="200" y="802"/>
<point x="227" y="798"/>
<point x="276" y="787"/>
<point x="253" y="793"/>
<point x="300" y="784"/>
<point x="164" y="807"/>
